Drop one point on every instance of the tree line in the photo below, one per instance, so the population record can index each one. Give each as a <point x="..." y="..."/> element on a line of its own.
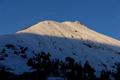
<point x="45" y="67"/>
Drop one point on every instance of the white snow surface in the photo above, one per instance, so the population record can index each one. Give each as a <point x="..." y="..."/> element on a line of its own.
<point x="61" y="40"/>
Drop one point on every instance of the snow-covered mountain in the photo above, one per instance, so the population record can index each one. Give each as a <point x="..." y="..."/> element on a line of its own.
<point x="61" y="40"/>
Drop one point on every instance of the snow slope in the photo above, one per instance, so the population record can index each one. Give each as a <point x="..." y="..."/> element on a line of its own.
<point x="61" y="40"/>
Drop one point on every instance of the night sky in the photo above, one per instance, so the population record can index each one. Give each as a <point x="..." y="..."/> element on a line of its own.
<point x="100" y="15"/>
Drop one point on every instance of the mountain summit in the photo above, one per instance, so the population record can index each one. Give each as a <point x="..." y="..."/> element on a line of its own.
<point x="70" y="30"/>
<point x="60" y="40"/>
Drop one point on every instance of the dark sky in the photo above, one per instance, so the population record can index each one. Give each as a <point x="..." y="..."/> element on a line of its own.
<point x="100" y="15"/>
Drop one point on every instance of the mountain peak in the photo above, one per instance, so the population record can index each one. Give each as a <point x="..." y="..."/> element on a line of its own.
<point x="68" y="29"/>
<point x="52" y="24"/>
<point x="48" y="21"/>
<point x="52" y="21"/>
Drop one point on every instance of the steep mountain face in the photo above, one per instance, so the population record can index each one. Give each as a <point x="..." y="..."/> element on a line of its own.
<point x="61" y="40"/>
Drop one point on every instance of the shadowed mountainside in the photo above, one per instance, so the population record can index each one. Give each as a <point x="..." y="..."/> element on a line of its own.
<point x="100" y="56"/>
